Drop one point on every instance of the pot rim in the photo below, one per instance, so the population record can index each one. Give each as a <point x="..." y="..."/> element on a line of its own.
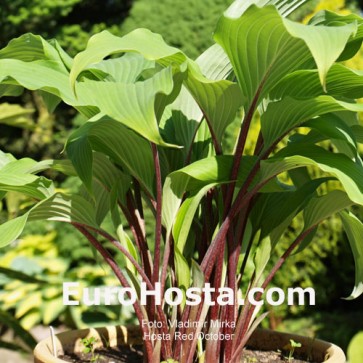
<point x="130" y="335"/>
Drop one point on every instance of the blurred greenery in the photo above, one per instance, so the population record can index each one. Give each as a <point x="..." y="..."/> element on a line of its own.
<point x="355" y="348"/>
<point x="186" y="24"/>
<point x="31" y="282"/>
<point x="71" y="22"/>
<point x="52" y="253"/>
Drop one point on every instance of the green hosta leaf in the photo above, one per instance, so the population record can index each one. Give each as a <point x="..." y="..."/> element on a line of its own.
<point x="109" y="176"/>
<point x="30" y="185"/>
<point x="28" y="48"/>
<point x="195" y="177"/>
<point x="282" y="116"/>
<point x="184" y="115"/>
<point x="214" y="63"/>
<point x="142" y="41"/>
<point x="285" y="8"/>
<point x="320" y="208"/>
<point x="127" y="243"/>
<point x="252" y="42"/>
<point x="15" y="115"/>
<point x="354" y="230"/>
<point x="62" y="208"/>
<point x="185" y="216"/>
<point x="211" y="170"/>
<point x="263" y="48"/>
<point x="330" y="18"/>
<point x="262" y="256"/>
<point x="126" y="69"/>
<point x="10" y="90"/>
<point x="333" y="127"/>
<point x="80" y="153"/>
<point x="288" y="203"/>
<point x="182" y="270"/>
<point x="340" y="82"/>
<point x="173" y="190"/>
<point x="11" y="230"/>
<point x="132" y="104"/>
<point x="58" y="207"/>
<point x="101" y="199"/>
<point x="47" y="75"/>
<point x="358" y="133"/>
<point x="113" y="139"/>
<point x="325" y="43"/>
<point x="294" y="156"/>
<point x="219" y="102"/>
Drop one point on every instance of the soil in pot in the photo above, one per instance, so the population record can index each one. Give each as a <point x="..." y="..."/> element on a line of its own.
<point x="107" y="355"/>
<point x="135" y="355"/>
<point x="262" y="356"/>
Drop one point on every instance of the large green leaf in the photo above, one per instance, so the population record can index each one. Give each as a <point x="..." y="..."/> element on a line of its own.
<point x="142" y="41"/>
<point x="125" y="69"/>
<point x="47" y="75"/>
<point x="334" y="128"/>
<point x="11" y="230"/>
<point x="185" y="216"/>
<point x="282" y="116"/>
<point x="211" y="170"/>
<point x="340" y="82"/>
<point x="288" y="203"/>
<point x="263" y="48"/>
<point x="194" y="178"/>
<point x="219" y="101"/>
<point x="63" y="208"/>
<point x="333" y="19"/>
<point x="58" y="207"/>
<point x="323" y="207"/>
<point x="30" y="47"/>
<point x="340" y="166"/>
<point x="110" y="176"/>
<point x="132" y="104"/>
<point x="354" y="229"/>
<point x="17" y="175"/>
<point x="325" y="43"/>
<point x="115" y="140"/>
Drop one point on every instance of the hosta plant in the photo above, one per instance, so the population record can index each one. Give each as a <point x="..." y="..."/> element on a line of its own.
<point x="154" y="141"/>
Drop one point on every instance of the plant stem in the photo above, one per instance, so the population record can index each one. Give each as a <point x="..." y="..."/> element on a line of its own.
<point x="241" y="145"/>
<point x="121" y="277"/>
<point x="158" y="226"/>
<point x="270" y="276"/>
<point x="139" y="236"/>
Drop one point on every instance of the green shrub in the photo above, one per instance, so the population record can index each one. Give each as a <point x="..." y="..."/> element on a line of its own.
<point x="186" y="24"/>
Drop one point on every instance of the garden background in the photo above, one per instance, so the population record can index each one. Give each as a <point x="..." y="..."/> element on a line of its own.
<point x="48" y="254"/>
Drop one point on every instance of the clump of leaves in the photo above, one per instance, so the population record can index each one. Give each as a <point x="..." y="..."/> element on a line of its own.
<point x="153" y="140"/>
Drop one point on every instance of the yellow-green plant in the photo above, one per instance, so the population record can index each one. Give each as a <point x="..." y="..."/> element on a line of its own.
<point x="31" y="285"/>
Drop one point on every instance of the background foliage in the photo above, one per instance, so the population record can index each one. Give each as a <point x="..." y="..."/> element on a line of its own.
<point x="186" y="24"/>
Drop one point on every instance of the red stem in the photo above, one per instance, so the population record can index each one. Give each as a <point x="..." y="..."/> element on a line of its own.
<point x="268" y="279"/>
<point x="121" y="277"/>
<point x="158" y="226"/>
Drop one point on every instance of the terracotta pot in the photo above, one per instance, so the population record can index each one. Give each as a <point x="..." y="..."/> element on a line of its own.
<point x="318" y="350"/>
<point x="70" y="341"/>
